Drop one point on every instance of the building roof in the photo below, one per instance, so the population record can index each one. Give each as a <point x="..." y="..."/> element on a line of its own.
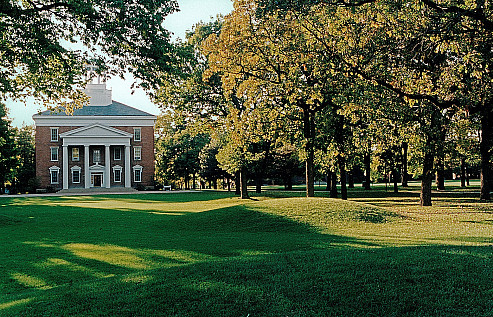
<point x="114" y="109"/>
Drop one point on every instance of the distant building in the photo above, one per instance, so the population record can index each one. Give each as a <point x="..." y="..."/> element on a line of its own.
<point x="105" y="144"/>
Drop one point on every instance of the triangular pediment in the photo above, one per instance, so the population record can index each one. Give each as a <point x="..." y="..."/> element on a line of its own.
<point x="97" y="168"/>
<point x="96" y="130"/>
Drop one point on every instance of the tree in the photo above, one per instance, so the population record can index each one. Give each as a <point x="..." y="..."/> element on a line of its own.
<point x="7" y="148"/>
<point x="25" y="170"/>
<point x="46" y="44"/>
<point x="209" y="166"/>
<point x="187" y="90"/>
<point x="286" y="164"/>
<point x="250" y="130"/>
<point x="178" y="148"/>
<point x="187" y="94"/>
<point x="276" y="57"/>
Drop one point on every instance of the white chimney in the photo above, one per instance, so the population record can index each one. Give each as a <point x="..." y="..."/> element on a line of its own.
<point x="96" y="89"/>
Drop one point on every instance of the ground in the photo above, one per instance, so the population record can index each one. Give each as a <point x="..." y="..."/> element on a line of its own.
<point x="279" y="254"/>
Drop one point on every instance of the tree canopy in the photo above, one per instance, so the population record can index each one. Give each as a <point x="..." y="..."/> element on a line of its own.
<point x="45" y="44"/>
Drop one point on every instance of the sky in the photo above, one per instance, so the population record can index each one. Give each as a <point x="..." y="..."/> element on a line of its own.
<point x="191" y="12"/>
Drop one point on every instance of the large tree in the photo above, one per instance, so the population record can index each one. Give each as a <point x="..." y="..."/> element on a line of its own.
<point x="276" y="57"/>
<point x="44" y="45"/>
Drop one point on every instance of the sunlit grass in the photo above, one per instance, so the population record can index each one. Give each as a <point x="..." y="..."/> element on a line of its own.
<point x="280" y="254"/>
<point x="130" y="204"/>
<point x="30" y="281"/>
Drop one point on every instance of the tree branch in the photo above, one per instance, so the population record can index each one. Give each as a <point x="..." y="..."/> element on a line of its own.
<point x="476" y="14"/>
<point x="48" y="7"/>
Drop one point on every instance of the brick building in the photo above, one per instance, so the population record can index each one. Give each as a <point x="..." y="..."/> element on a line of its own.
<point x="105" y="144"/>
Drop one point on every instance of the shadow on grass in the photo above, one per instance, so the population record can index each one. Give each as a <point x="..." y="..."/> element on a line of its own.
<point x="411" y="281"/>
<point x="233" y="261"/>
<point x="50" y="247"/>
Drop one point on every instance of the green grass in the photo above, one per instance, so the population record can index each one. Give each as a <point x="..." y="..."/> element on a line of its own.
<point x="211" y="254"/>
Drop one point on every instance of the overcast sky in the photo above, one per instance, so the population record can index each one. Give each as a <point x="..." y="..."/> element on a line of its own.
<point x="191" y="12"/>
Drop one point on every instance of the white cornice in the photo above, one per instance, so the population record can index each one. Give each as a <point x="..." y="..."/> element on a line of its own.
<point x="101" y="131"/>
<point x="88" y="141"/>
<point x="74" y="121"/>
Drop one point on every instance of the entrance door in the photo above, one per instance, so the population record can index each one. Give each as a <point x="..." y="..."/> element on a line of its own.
<point x="97" y="180"/>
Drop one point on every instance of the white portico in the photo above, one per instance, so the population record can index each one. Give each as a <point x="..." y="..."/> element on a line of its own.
<point x="96" y="135"/>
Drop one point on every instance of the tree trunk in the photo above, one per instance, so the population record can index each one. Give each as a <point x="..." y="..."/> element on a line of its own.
<point x="243" y="184"/>
<point x="484" y="148"/>
<point x="440" y="171"/>
<point x="367" y="162"/>
<point x="258" y="184"/>
<point x="228" y="183"/>
<point x="310" y="179"/>
<point x="237" y="184"/>
<point x="288" y="184"/>
<point x="427" y="179"/>
<point x="404" y="175"/>
<point x="463" y="172"/>
<point x="309" y="134"/>
<point x="194" y="180"/>
<point x="333" y="185"/>
<point x="329" y="180"/>
<point x="342" y="169"/>
<point x="440" y="175"/>
<point x="395" y="177"/>
<point x="350" y="179"/>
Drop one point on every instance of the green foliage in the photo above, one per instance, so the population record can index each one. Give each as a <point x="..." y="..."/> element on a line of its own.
<point x="178" y="149"/>
<point x="209" y="166"/>
<point x="7" y="148"/>
<point x="185" y="90"/>
<point x="24" y="179"/>
<point x="46" y="44"/>
<point x="286" y="164"/>
<point x="341" y="80"/>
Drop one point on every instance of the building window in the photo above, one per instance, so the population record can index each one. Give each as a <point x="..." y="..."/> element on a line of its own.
<point x="137" y="153"/>
<point x="54" y="171"/>
<point x="117" y="174"/>
<point x="54" y="134"/>
<point x="117" y="154"/>
<point x="137" y="174"/>
<point x="54" y="177"/>
<point x="96" y="156"/>
<point x="137" y="134"/>
<point x="76" y="175"/>
<point x="75" y="154"/>
<point x="54" y="154"/>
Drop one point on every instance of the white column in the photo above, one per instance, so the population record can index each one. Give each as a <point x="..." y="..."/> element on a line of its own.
<point x="87" y="175"/>
<point x="127" y="166"/>
<point x="65" y="166"/>
<point x="107" y="166"/>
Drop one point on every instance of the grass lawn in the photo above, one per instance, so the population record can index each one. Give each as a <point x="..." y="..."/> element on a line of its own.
<point x="279" y="254"/>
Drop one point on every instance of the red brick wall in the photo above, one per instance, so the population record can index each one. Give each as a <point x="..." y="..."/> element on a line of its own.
<point x="147" y="162"/>
<point x="43" y="157"/>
